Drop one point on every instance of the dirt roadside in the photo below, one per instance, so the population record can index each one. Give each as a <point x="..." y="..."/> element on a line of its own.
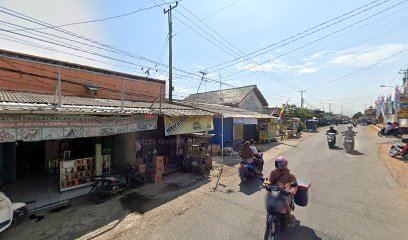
<point x="397" y="167"/>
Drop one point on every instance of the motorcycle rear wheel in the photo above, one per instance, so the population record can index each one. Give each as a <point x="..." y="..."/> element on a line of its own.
<point x="380" y="134"/>
<point x="398" y="135"/>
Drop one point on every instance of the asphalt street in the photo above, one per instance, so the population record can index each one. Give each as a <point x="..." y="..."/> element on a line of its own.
<point x="353" y="196"/>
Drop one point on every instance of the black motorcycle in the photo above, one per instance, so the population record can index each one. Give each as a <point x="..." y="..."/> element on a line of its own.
<point x="106" y="186"/>
<point x="393" y="132"/>
<point x="277" y="218"/>
<point x="331" y="139"/>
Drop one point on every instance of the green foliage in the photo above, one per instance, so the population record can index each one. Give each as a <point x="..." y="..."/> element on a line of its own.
<point x="292" y="111"/>
<point x="357" y="115"/>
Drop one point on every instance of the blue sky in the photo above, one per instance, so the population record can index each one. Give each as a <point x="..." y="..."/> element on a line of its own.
<point x="245" y="26"/>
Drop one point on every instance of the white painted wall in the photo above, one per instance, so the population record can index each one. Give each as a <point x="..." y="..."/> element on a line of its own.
<point x="252" y="103"/>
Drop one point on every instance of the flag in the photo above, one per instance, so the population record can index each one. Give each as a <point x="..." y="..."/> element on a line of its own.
<point x="283" y="110"/>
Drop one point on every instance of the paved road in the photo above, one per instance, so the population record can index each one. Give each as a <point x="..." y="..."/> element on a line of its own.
<point x="353" y="196"/>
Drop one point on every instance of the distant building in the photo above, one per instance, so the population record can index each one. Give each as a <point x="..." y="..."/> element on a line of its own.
<point x="247" y="97"/>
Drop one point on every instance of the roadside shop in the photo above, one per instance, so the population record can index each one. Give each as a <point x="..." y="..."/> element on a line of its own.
<point x="48" y="159"/>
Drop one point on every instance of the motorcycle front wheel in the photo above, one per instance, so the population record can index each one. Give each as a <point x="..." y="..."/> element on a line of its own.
<point x="19" y="215"/>
<point x="380" y="134"/>
<point x="99" y="194"/>
<point x="398" y="135"/>
<point x="271" y="228"/>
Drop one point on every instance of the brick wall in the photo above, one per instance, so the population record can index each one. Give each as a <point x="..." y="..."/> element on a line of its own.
<point x="23" y="75"/>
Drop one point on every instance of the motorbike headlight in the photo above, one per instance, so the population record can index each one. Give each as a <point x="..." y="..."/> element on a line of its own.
<point x="275" y="193"/>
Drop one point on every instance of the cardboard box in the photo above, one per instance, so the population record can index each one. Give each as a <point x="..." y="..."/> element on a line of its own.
<point x="142" y="168"/>
<point x="158" y="160"/>
<point x="156" y="178"/>
<point x="159" y="169"/>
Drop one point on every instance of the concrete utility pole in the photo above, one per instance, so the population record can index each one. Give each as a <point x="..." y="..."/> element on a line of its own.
<point x="330" y="108"/>
<point x="404" y="80"/>
<point x="170" y="50"/>
<point x="301" y="98"/>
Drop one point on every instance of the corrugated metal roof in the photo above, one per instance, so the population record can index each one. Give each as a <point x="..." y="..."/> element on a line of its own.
<point x="231" y="97"/>
<point x="227" y="111"/>
<point x="26" y="101"/>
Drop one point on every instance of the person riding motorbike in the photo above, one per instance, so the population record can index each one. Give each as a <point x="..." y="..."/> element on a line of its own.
<point x="257" y="155"/>
<point x="285" y="179"/>
<point x="248" y="156"/>
<point x="388" y="128"/>
<point x="349" y="131"/>
<point x="332" y="130"/>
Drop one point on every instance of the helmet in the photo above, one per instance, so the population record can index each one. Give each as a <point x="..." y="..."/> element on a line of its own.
<point x="331" y="127"/>
<point x="281" y="162"/>
<point x="350" y="127"/>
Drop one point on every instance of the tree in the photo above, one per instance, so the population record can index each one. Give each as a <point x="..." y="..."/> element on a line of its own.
<point x="357" y="115"/>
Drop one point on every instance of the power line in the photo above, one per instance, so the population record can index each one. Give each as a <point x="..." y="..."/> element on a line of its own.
<point x="361" y="70"/>
<point x="321" y="38"/>
<point x="119" y="51"/>
<point x="100" y="19"/>
<point x="301" y="35"/>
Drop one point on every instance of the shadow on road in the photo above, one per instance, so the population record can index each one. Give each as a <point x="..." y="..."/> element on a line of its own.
<point x="250" y="187"/>
<point x="356" y="153"/>
<point x="299" y="232"/>
<point x="337" y="148"/>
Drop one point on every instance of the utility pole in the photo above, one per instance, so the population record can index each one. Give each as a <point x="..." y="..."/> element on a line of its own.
<point x="170" y="49"/>
<point x="404" y="80"/>
<point x="342" y="110"/>
<point x="330" y="108"/>
<point x="301" y="98"/>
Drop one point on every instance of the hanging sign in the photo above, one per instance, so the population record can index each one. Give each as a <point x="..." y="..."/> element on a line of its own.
<point x="37" y="128"/>
<point x="187" y="124"/>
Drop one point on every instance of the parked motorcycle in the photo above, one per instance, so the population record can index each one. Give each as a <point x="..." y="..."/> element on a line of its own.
<point x="393" y="132"/>
<point x="11" y="213"/>
<point x="249" y="170"/>
<point x="398" y="149"/>
<point x="349" y="142"/>
<point x="331" y="139"/>
<point x="107" y="186"/>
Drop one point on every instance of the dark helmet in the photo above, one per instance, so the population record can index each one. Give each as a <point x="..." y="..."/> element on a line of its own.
<point x="251" y="141"/>
<point x="331" y="127"/>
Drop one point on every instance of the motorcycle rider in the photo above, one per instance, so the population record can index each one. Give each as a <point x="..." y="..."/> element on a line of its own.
<point x="388" y="128"/>
<point x="247" y="155"/>
<point x="285" y="179"/>
<point x="332" y="130"/>
<point x="257" y="156"/>
<point x="349" y="131"/>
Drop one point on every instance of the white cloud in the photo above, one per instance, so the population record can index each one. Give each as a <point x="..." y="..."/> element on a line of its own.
<point x="56" y="13"/>
<point x="364" y="56"/>
<point x="279" y="66"/>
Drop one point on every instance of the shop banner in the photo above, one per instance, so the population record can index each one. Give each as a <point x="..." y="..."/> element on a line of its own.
<point x="187" y="124"/>
<point x="37" y="128"/>
<point x="245" y="121"/>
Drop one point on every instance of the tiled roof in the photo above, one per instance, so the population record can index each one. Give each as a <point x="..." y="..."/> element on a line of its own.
<point x="227" y="111"/>
<point x="26" y="101"/>
<point x="231" y="97"/>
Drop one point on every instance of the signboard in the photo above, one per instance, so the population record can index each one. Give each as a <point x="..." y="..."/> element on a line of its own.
<point x="403" y="107"/>
<point x="37" y="128"/>
<point x="187" y="124"/>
